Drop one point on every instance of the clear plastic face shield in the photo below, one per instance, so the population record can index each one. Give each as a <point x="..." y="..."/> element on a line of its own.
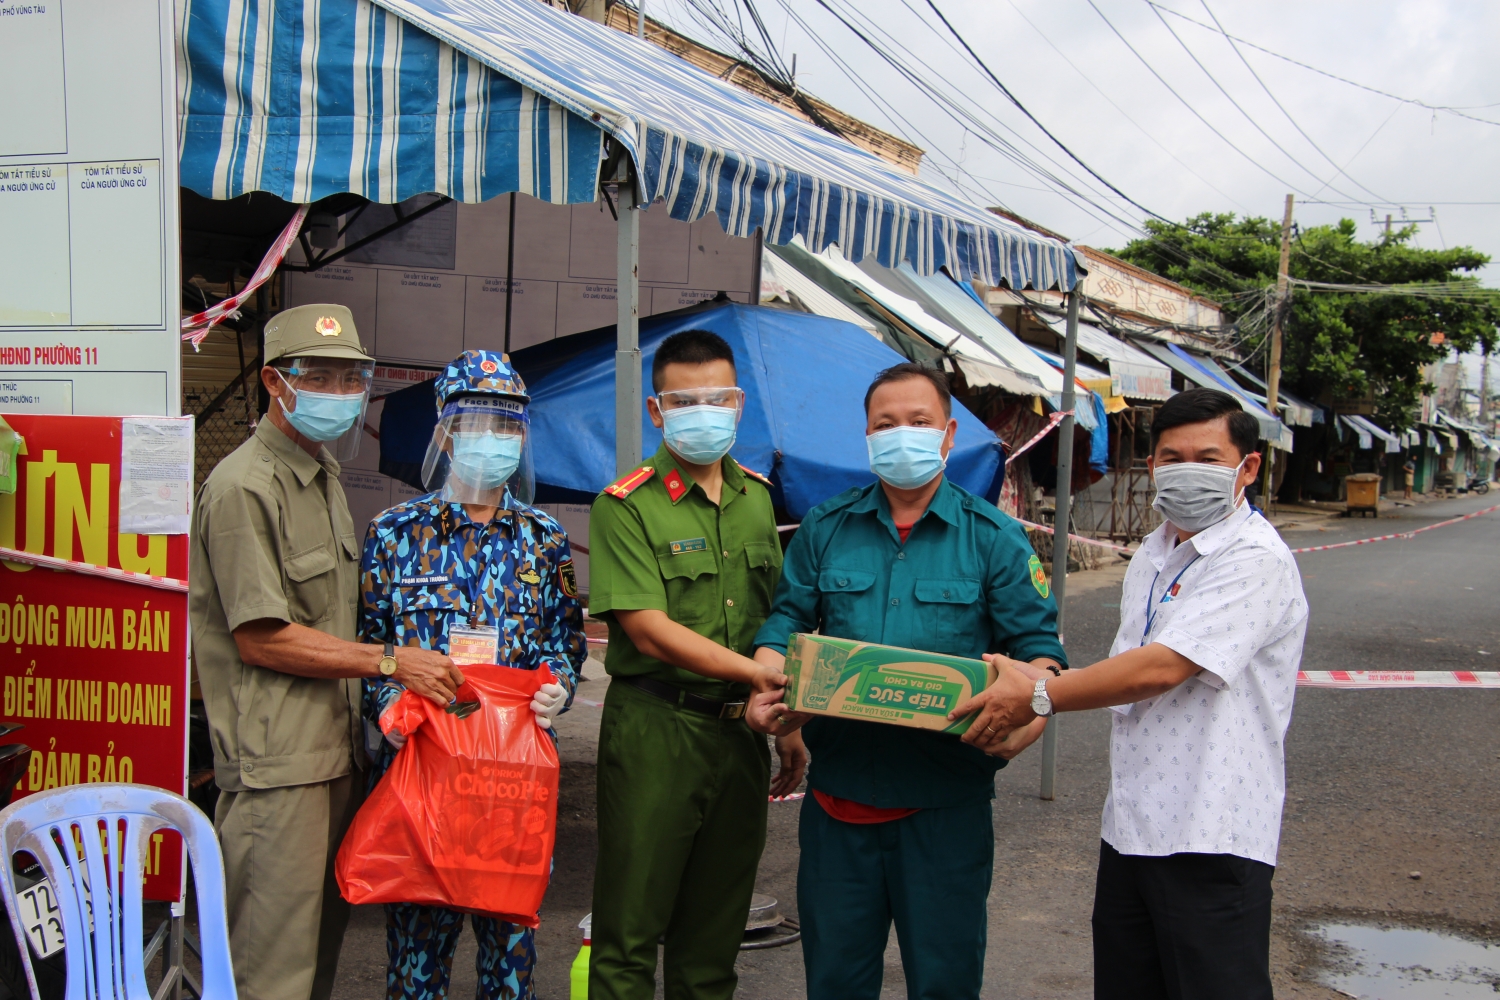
<point x="327" y="401"/>
<point x="480" y="448"/>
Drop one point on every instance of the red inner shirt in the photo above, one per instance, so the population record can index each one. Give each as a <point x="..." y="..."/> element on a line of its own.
<point x="846" y="811"/>
<point x="857" y="812"/>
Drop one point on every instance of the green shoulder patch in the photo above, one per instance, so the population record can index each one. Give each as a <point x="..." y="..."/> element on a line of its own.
<point x="1038" y="576"/>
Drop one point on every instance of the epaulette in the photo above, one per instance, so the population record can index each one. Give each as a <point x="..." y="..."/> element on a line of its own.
<point x="755" y="476"/>
<point x="989" y="511"/>
<point x="630" y="482"/>
<point x="836" y="502"/>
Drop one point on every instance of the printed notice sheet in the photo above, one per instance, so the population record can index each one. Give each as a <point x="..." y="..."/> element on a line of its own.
<point x="156" y="475"/>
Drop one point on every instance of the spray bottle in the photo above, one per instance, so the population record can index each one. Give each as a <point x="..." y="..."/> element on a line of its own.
<point x="579" y="974"/>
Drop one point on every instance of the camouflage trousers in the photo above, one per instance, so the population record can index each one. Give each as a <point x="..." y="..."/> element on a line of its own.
<point x="420" y="942"/>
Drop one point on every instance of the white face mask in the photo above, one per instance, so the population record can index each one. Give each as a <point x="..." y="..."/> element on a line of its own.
<point x="1194" y="495"/>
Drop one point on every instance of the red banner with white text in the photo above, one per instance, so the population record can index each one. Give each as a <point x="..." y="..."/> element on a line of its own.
<point x="96" y="669"/>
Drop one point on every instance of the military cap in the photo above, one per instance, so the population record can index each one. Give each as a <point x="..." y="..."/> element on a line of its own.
<point x="319" y="330"/>
<point x="479" y="373"/>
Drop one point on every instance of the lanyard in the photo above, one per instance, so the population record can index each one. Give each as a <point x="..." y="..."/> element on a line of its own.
<point x="1153" y="606"/>
<point x="473" y="587"/>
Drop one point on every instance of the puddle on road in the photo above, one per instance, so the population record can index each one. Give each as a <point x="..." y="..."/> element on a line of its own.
<point x="1402" y="964"/>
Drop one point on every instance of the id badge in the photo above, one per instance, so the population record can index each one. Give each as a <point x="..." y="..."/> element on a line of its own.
<point x="469" y="646"/>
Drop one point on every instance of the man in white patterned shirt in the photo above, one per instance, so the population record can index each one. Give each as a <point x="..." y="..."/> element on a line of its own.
<point x="1200" y="683"/>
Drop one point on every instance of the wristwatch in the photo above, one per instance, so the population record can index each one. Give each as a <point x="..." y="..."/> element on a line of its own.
<point x="1041" y="704"/>
<point x="388" y="661"/>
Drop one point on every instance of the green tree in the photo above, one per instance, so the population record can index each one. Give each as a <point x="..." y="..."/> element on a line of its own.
<point x="1338" y="344"/>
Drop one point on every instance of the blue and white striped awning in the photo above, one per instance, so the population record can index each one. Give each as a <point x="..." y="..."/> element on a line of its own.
<point x="309" y="98"/>
<point x="472" y="98"/>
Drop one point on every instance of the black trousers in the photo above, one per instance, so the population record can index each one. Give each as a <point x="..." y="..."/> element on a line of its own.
<point x="1182" y="927"/>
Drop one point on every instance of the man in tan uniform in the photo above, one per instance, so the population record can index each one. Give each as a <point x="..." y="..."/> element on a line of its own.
<point x="274" y="590"/>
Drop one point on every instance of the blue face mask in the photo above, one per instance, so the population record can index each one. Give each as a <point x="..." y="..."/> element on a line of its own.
<point x="486" y="461"/>
<point x="907" y="457"/>
<point x="323" y="416"/>
<point x="700" y="434"/>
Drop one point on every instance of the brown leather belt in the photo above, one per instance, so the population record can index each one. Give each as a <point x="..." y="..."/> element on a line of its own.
<point x="686" y="699"/>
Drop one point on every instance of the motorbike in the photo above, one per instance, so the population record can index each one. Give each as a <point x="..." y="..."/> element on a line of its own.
<point x="1477" y="485"/>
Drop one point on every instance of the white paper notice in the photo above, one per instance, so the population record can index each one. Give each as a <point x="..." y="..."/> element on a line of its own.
<point x="156" y="475"/>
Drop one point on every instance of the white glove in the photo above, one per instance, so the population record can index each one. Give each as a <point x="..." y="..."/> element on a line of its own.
<point x="547" y="702"/>
<point x="395" y="739"/>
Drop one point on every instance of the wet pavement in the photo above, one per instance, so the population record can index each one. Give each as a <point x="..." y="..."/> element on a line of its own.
<point x="1381" y="784"/>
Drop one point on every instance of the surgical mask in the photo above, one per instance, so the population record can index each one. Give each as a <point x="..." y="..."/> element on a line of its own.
<point x="322" y="416"/>
<point x="486" y="461"/>
<point x="907" y="457"/>
<point x="700" y="434"/>
<point x="1194" y="495"/>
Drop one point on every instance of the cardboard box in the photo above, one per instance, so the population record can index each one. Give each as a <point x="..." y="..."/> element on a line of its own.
<point x="864" y="680"/>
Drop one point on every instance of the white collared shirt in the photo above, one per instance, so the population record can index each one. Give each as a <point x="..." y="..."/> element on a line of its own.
<point x="1201" y="768"/>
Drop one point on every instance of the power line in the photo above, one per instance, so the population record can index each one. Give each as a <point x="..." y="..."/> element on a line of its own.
<point x="1274" y="100"/>
<point x="1033" y="119"/>
<point x="1240" y="108"/>
<point x="1123" y="113"/>
<point x="1334" y="76"/>
<point x="1211" y="127"/>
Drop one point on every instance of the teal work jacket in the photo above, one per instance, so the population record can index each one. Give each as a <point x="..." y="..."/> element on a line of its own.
<point x="965" y="583"/>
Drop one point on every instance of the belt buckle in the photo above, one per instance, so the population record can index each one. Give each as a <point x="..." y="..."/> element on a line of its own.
<point x="733" y="710"/>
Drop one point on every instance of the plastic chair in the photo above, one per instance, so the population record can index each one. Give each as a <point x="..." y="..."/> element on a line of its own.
<point x="111" y="965"/>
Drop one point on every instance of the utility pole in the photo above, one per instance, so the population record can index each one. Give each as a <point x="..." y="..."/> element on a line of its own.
<point x="1484" y="386"/>
<point x="1062" y="516"/>
<point x="1273" y="369"/>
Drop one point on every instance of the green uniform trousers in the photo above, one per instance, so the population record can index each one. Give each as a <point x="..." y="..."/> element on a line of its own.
<point x="682" y="821"/>
<point x="929" y="873"/>
<point x="286" y="917"/>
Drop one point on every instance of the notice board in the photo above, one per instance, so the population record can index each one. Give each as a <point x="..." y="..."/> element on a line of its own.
<point x="95" y="669"/>
<point x="88" y="206"/>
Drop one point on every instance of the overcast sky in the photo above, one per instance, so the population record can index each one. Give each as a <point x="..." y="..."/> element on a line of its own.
<point x="1065" y="63"/>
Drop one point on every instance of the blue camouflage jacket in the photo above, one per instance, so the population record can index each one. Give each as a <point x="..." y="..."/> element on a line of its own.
<point x="427" y="566"/>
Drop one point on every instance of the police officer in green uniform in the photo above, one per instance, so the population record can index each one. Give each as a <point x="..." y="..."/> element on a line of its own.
<point x="898" y="825"/>
<point x="684" y="560"/>
<point x="275" y="587"/>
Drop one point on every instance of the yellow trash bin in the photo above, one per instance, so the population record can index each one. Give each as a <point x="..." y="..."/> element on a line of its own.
<point x="1362" y="493"/>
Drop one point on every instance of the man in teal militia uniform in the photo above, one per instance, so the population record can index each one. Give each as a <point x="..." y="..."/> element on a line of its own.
<point x="683" y="564"/>
<point x="898" y="826"/>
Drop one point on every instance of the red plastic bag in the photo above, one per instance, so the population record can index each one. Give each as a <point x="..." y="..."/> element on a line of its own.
<point x="466" y="817"/>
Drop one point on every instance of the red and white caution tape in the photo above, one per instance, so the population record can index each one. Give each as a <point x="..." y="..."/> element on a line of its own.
<point x="197" y="326"/>
<point x="1077" y="538"/>
<point x="1401" y="534"/>
<point x="1398" y="678"/>
<point x="89" y="569"/>
<point x="1052" y="422"/>
<point x="795" y="796"/>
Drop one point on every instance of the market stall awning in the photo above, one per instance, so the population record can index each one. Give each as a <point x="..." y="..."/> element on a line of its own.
<point x="1296" y="412"/>
<point x="343" y="96"/>
<point x="1134" y="372"/>
<point x="780" y="281"/>
<point x="1368" y="431"/>
<point x="980" y="363"/>
<point x="1272" y="430"/>
<point x="309" y="98"/>
<point x="960" y="308"/>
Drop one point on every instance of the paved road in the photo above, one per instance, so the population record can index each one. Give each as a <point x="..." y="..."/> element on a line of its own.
<point x="1382" y="783"/>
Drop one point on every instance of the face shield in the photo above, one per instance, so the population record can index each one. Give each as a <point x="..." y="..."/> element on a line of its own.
<point x="480" y="448"/>
<point x="327" y="401"/>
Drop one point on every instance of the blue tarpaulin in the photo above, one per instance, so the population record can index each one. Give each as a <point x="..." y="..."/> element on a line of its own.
<point x="804" y="379"/>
